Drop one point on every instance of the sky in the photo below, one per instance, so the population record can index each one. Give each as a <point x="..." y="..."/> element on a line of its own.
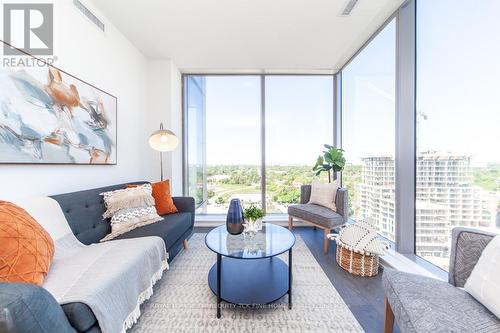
<point x="299" y="119"/>
<point x="458" y="72"/>
<point x="368" y="99"/>
<point x="458" y="88"/>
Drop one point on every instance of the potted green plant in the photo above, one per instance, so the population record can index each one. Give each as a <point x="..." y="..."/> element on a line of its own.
<point x="332" y="159"/>
<point x="253" y="218"/>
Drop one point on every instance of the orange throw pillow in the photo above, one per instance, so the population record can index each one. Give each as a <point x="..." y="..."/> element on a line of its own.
<point x="163" y="199"/>
<point x="26" y="249"/>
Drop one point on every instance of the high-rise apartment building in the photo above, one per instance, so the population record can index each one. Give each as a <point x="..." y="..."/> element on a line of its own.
<point x="445" y="197"/>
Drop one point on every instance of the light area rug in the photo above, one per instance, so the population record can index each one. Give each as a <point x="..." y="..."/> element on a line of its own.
<point x="183" y="302"/>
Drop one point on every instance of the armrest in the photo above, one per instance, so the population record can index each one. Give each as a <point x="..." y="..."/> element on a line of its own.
<point x="185" y="205"/>
<point x="467" y="244"/>
<point x="25" y="307"/>
<point x="342" y="203"/>
<point x="305" y="194"/>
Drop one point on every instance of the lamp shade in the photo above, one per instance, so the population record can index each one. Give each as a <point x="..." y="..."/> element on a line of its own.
<point x="163" y="140"/>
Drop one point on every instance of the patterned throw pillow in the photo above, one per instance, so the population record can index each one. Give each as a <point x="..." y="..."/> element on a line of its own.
<point x="324" y="194"/>
<point x="26" y="249"/>
<point x="140" y="196"/>
<point x="129" y="208"/>
<point x="362" y="237"/>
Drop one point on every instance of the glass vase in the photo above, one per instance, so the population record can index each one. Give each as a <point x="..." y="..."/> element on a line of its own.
<point x="234" y="219"/>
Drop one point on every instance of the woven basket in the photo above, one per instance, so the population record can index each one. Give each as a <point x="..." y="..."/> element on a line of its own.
<point x="356" y="263"/>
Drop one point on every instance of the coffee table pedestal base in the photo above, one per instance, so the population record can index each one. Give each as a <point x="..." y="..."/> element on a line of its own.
<point x="251" y="281"/>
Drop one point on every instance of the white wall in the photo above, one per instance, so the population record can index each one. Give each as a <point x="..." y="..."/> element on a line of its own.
<point x="165" y="97"/>
<point x="176" y="126"/>
<point x="109" y="61"/>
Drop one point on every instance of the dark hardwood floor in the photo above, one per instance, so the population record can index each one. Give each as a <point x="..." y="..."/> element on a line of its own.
<point x="363" y="295"/>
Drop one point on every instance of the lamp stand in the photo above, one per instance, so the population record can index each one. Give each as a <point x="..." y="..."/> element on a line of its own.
<point x="161" y="166"/>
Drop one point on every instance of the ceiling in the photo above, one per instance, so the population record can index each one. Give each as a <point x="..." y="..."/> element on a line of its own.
<point x="248" y="35"/>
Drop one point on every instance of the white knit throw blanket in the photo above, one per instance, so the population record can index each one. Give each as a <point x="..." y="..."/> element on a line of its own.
<point x="113" y="278"/>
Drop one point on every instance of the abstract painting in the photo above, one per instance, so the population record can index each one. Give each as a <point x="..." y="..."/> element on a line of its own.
<point x="50" y="117"/>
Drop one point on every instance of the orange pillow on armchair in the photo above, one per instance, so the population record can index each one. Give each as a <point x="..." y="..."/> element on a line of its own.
<point x="26" y="249"/>
<point x="163" y="199"/>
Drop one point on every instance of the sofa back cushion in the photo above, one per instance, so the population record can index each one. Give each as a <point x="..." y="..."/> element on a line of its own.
<point x="83" y="211"/>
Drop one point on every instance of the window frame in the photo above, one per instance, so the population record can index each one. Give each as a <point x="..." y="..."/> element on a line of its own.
<point x="406" y="130"/>
<point x="184" y="78"/>
<point x="399" y="170"/>
<point x="405" y="126"/>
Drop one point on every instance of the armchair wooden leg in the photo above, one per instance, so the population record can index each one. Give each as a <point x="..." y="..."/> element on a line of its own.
<point x="290" y="222"/>
<point x="389" y="317"/>
<point x="326" y="241"/>
<point x="185" y="243"/>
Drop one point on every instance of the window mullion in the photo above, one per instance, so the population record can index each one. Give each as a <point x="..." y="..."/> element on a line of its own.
<point x="263" y="140"/>
<point x="405" y="129"/>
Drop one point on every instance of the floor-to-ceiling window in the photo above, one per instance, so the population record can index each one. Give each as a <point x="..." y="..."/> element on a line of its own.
<point x="368" y="132"/>
<point x="224" y="127"/>
<point x="452" y="114"/>
<point x="194" y="105"/>
<point x="230" y="127"/>
<point x="299" y="121"/>
<point x="458" y="117"/>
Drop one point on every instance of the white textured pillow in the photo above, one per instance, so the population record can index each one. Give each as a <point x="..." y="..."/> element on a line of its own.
<point x="126" y="220"/>
<point x="484" y="282"/>
<point x="132" y="197"/>
<point x="128" y="209"/>
<point x="362" y="237"/>
<point x="324" y="194"/>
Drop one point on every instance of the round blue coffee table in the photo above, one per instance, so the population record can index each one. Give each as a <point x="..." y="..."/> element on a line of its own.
<point x="248" y="271"/>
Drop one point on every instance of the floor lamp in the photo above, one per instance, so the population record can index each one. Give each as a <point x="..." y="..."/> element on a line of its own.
<point x="163" y="140"/>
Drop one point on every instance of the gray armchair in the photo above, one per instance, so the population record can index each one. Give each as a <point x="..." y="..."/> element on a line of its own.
<point x="319" y="216"/>
<point x="423" y="304"/>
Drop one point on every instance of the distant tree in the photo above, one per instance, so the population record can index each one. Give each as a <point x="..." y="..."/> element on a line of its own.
<point x="219" y="201"/>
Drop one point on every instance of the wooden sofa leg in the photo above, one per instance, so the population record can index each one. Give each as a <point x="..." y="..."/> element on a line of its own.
<point x="290" y="222"/>
<point x="185" y="244"/>
<point x="326" y="241"/>
<point x="388" y="317"/>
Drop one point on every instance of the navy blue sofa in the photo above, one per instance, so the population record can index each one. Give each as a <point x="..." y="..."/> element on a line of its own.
<point x="28" y="308"/>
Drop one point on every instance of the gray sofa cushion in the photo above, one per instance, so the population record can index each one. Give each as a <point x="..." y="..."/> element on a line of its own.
<point x="317" y="214"/>
<point x="84" y="209"/>
<point x="80" y="316"/>
<point x="28" y="308"/>
<point x="423" y="304"/>
<point x="171" y="228"/>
